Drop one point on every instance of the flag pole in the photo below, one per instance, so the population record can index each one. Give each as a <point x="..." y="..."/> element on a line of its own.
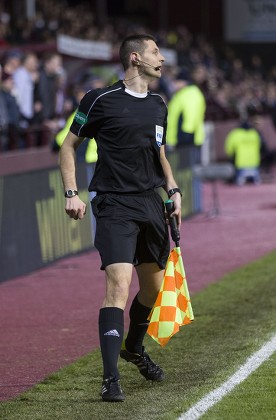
<point x="175" y="234"/>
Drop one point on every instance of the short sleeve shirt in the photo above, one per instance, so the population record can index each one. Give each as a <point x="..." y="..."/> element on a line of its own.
<point x="129" y="132"/>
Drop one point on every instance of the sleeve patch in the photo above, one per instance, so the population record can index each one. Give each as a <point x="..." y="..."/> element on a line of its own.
<point x="159" y="131"/>
<point x="80" y="118"/>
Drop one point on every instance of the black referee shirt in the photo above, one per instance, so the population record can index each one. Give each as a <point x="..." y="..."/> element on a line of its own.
<point x="129" y="132"/>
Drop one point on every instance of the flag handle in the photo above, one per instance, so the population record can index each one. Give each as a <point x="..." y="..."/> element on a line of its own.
<point x="169" y="204"/>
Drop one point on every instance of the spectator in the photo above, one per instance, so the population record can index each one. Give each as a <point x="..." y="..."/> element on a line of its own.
<point x="243" y="146"/>
<point x="257" y="67"/>
<point x="4" y="122"/>
<point x="267" y="154"/>
<point x="12" y="61"/>
<point x="12" y="110"/>
<point x="78" y="94"/>
<point x="25" y="78"/>
<point x="47" y="88"/>
<point x="186" y="111"/>
<point x="271" y="102"/>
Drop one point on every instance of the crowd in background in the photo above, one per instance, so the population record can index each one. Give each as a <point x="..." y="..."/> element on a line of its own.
<point x="36" y="97"/>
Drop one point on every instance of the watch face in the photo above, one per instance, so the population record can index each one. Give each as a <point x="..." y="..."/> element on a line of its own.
<point x="70" y="193"/>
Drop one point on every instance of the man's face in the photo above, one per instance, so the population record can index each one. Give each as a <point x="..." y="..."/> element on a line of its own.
<point x="150" y="59"/>
<point x="54" y="65"/>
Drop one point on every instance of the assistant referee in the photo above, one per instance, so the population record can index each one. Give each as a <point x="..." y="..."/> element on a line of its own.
<point x="129" y="125"/>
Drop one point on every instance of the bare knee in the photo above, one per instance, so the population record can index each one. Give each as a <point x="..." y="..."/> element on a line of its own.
<point x="116" y="294"/>
<point x="118" y="279"/>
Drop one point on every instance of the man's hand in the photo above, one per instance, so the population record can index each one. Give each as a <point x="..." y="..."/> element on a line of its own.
<point x="176" y="198"/>
<point x="75" y="208"/>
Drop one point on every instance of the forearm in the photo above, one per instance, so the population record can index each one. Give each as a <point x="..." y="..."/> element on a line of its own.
<point x="67" y="162"/>
<point x="74" y="207"/>
<point x="169" y="177"/>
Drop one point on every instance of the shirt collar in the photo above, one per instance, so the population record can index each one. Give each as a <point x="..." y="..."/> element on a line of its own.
<point x="135" y="94"/>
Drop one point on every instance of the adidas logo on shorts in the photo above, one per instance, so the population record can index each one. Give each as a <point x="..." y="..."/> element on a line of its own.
<point x="114" y="333"/>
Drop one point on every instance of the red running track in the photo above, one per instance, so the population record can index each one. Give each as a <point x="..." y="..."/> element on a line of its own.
<point x="49" y="317"/>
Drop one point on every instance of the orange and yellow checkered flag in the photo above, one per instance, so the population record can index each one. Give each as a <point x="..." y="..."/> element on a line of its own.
<point x="172" y="308"/>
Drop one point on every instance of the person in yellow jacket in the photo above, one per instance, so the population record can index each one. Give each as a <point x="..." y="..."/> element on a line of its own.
<point x="186" y="111"/>
<point x="243" y="145"/>
<point x="185" y="124"/>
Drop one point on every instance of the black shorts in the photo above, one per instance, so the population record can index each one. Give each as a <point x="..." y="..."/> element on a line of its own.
<point x="131" y="228"/>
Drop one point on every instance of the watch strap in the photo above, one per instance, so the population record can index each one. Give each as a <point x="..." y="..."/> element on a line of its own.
<point x="70" y="193"/>
<point x="173" y="191"/>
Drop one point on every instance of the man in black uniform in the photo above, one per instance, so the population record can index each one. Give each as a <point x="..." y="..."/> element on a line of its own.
<point x="129" y="125"/>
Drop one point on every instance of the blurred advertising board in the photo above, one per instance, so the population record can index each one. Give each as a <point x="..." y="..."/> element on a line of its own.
<point x="250" y="20"/>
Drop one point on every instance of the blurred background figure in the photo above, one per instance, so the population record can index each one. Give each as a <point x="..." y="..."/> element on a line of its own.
<point x="11" y="61"/>
<point x="50" y="87"/>
<point x="4" y="119"/>
<point x="78" y="91"/>
<point x="9" y="113"/>
<point x="25" y="79"/>
<point x="243" y="145"/>
<point x="186" y="111"/>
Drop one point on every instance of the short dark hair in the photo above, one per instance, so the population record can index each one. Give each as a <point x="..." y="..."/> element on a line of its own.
<point x="133" y="43"/>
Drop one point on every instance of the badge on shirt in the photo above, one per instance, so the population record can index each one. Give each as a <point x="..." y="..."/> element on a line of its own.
<point x="159" y="131"/>
<point x="80" y="118"/>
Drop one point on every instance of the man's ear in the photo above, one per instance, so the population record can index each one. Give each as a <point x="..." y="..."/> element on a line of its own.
<point x="134" y="58"/>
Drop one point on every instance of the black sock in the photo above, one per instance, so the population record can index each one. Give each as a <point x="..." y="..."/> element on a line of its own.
<point x="138" y="326"/>
<point x="111" y="331"/>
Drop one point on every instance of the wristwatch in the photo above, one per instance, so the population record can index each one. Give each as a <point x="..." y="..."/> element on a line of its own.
<point x="70" y="193"/>
<point x="173" y="191"/>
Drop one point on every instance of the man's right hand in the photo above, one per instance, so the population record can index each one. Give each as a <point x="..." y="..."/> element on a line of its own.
<point x="75" y="208"/>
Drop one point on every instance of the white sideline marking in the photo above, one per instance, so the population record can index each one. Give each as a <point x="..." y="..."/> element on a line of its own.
<point x="252" y="363"/>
